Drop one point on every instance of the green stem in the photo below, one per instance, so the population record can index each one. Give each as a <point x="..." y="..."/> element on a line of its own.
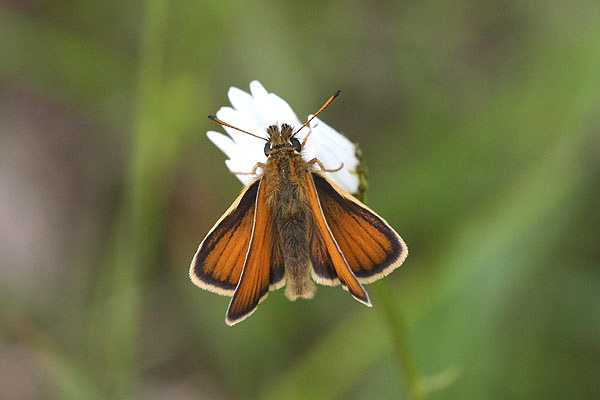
<point x="386" y="302"/>
<point x="131" y="242"/>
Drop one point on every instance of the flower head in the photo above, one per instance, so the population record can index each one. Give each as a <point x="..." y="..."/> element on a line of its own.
<point x="257" y="110"/>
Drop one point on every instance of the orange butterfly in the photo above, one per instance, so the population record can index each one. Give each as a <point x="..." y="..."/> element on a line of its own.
<point x="289" y="225"/>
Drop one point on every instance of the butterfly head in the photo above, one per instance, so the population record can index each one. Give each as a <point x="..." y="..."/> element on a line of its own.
<point x="281" y="139"/>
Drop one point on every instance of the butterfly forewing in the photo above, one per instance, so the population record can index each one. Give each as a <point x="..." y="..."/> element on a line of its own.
<point x="218" y="263"/>
<point x="329" y="245"/>
<point x="371" y="247"/>
<point x="256" y="280"/>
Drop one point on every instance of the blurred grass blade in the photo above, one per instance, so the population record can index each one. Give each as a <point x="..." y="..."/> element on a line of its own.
<point x="75" y="69"/>
<point x="133" y="242"/>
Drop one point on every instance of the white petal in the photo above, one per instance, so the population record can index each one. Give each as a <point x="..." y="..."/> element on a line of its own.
<point x="345" y="177"/>
<point x="349" y="182"/>
<point x="235" y="167"/>
<point x="328" y="158"/>
<point x="309" y="152"/>
<point x="246" y="108"/>
<point x="254" y="112"/>
<point x="331" y="134"/>
<point x="283" y="112"/>
<point x="224" y="143"/>
<point x="257" y="89"/>
<point x="333" y="149"/>
<point x="241" y="121"/>
<point x="261" y="103"/>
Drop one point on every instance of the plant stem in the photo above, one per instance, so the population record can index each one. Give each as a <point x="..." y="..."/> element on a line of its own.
<point x="398" y="329"/>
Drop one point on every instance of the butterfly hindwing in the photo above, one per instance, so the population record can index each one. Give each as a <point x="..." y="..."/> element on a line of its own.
<point x="322" y="267"/>
<point x="371" y="247"/>
<point x="277" y="278"/>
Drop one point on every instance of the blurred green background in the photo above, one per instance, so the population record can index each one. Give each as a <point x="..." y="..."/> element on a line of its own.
<point x="479" y="122"/>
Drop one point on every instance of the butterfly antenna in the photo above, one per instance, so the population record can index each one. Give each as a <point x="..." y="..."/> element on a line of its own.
<point x="218" y="121"/>
<point x="324" y="106"/>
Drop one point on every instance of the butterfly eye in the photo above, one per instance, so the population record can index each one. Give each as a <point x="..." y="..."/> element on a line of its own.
<point x="267" y="148"/>
<point x="296" y="143"/>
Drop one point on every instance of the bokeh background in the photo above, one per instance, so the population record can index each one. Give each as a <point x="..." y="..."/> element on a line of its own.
<point x="480" y="125"/>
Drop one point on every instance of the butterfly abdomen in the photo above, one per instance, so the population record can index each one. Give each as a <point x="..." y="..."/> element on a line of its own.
<point x="291" y="216"/>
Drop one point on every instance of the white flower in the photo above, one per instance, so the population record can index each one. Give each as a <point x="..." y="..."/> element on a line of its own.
<point x="255" y="112"/>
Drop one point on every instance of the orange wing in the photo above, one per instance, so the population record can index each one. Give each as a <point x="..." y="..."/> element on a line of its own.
<point x="326" y="253"/>
<point x="371" y="247"/>
<point x="263" y="267"/>
<point x="217" y="265"/>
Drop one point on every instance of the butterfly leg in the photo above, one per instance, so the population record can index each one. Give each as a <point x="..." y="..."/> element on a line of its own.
<point x="306" y="138"/>
<point x="253" y="172"/>
<point x="316" y="161"/>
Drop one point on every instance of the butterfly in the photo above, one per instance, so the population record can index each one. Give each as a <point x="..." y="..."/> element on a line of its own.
<point x="293" y="226"/>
